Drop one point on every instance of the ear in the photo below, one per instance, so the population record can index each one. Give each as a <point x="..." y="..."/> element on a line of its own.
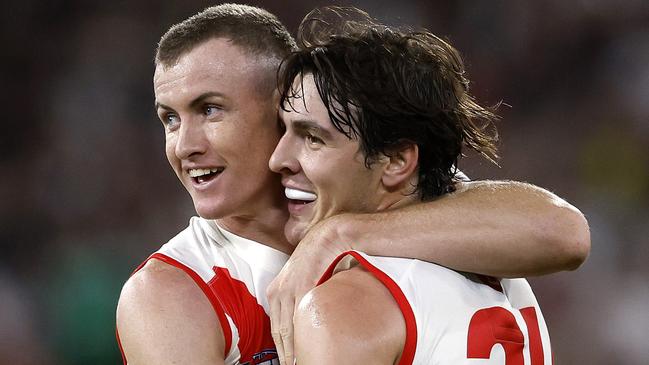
<point x="400" y="166"/>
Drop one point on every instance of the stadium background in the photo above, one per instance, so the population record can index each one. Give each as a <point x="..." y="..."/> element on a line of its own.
<point x="87" y="193"/>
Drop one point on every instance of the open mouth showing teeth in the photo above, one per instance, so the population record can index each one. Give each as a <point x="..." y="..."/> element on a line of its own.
<point x="204" y="175"/>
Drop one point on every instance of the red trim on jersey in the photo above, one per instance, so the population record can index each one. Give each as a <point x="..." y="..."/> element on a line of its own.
<point x="216" y="304"/>
<point x="410" y="345"/>
<point x="231" y="296"/>
<point x="140" y="266"/>
<point x="119" y="344"/>
<point x="225" y="326"/>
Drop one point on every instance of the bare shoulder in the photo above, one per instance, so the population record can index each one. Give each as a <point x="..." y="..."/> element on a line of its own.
<point x="163" y="317"/>
<point x="355" y="314"/>
<point x="156" y="286"/>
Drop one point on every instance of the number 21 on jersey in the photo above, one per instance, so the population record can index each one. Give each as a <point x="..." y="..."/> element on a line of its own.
<point x="497" y="325"/>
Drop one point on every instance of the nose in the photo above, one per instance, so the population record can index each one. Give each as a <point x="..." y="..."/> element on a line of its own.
<point x="192" y="139"/>
<point x="283" y="160"/>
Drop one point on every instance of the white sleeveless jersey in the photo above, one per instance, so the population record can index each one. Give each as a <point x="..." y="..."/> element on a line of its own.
<point x="233" y="272"/>
<point x="457" y="318"/>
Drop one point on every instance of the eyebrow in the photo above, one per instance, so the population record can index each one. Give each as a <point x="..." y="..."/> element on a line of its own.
<point x="198" y="100"/>
<point x="309" y="125"/>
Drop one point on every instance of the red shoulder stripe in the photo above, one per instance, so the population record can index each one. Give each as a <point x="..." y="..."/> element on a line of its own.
<point x="410" y="345"/>
<point x="119" y="344"/>
<point x="227" y="331"/>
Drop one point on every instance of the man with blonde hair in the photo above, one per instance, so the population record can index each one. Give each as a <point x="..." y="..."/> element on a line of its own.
<point x="201" y="298"/>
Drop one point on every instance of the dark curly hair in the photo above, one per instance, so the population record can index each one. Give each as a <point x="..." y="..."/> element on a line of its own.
<point x="386" y="86"/>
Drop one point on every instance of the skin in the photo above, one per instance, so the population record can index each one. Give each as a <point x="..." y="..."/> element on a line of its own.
<point x="162" y="316"/>
<point x="495" y="228"/>
<point x="210" y="124"/>
<point x="307" y="141"/>
<point x="313" y="156"/>
<point x="350" y="311"/>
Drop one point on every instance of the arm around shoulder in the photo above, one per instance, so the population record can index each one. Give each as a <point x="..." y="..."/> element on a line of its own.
<point x="164" y="318"/>
<point x="559" y="225"/>
<point x="554" y="234"/>
<point x="497" y="228"/>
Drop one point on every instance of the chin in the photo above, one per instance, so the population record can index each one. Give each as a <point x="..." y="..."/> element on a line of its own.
<point x="208" y="211"/>
<point x="294" y="232"/>
<point x="292" y="238"/>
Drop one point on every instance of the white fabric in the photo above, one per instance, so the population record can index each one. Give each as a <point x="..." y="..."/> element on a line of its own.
<point x="444" y="302"/>
<point x="204" y="245"/>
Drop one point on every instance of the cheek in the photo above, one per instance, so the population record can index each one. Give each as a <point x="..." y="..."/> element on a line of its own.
<point x="170" y="152"/>
<point x="349" y="188"/>
<point x="170" y="148"/>
<point x="266" y="129"/>
<point x="261" y="144"/>
<point x="327" y="176"/>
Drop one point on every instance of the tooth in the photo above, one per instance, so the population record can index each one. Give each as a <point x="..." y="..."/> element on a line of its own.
<point x="299" y="194"/>
<point x="201" y="172"/>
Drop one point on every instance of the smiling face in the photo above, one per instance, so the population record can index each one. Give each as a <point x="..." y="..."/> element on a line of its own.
<point x="323" y="171"/>
<point x="220" y="122"/>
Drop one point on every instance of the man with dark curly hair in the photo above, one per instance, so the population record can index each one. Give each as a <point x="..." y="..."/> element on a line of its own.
<point x="376" y="119"/>
<point x="201" y="297"/>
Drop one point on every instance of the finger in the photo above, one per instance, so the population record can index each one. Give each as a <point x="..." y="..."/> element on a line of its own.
<point x="286" y="329"/>
<point x="275" y="320"/>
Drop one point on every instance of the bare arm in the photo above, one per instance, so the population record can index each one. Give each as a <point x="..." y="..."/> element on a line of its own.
<point x="350" y="319"/>
<point x="163" y="318"/>
<point x="502" y="229"/>
<point x="497" y="228"/>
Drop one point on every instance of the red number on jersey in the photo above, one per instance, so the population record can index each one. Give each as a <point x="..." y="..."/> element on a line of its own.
<point x="497" y="325"/>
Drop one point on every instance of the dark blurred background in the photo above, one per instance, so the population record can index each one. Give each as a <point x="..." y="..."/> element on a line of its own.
<point x="87" y="192"/>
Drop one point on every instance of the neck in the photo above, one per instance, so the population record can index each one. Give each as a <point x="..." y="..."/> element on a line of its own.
<point x="399" y="202"/>
<point x="268" y="231"/>
<point x="264" y="219"/>
<point x="401" y="197"/>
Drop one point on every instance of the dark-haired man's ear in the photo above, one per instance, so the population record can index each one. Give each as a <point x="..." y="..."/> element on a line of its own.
<point x="401" y="167"/>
